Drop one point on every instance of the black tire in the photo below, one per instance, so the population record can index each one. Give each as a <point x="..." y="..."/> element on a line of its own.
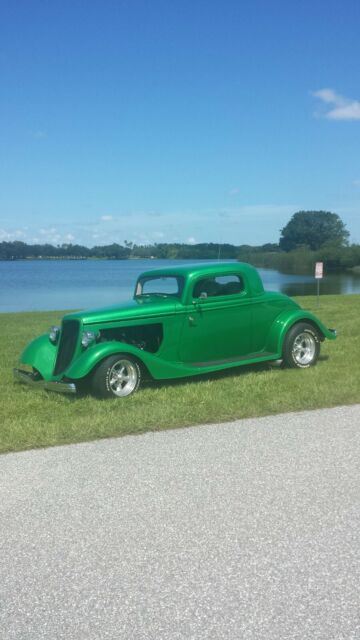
<point x="116" y="377"/>
<point x="301" y="346"/>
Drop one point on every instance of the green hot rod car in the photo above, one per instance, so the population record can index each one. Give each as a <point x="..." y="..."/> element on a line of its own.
<point x="182" y="321"/>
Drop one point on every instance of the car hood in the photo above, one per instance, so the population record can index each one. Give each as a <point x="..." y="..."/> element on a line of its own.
<point x="140" y="308"/>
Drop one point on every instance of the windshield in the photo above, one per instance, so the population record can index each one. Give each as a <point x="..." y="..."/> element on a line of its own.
<point x="162" y="286"/>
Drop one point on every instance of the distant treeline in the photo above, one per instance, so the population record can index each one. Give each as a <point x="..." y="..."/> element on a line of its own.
<point x="301" y="260"/>
<point x="22" y="251"/>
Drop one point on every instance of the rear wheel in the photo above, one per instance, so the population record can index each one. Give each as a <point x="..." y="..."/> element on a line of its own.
<point x="116" y="377"/>
<point x="301" y="346"/>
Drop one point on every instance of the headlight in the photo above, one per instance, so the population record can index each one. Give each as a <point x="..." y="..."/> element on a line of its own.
<point x="88" y="338"/>
<point x="54" y="333"/>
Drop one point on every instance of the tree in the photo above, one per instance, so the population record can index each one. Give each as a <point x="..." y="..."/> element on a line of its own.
<point x="312" y="229"/>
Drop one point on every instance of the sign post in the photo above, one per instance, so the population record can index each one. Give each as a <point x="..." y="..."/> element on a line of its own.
<point x="319" y="272"/>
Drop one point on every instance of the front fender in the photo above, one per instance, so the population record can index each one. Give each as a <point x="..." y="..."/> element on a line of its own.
<point x="84" y="363"/>
<point x="159" y="369"/>
<point x="40" y="354"/>
<point x="285" y="321"/>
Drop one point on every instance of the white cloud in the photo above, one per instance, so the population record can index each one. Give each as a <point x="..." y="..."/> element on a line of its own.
<point x="46" y="232"/>
<point x="253" y="211"/>
<point x="106" y="218"/>
<point x="326" y="95"/>
<point x="250" y="224"/>
<point x="36" y="236"/>
<point x="52" y="236"/>
<point x="10" y="236"/>
<point x="38" y="134"/>
<point x="356" y="183"/>
<point x="234" y="192"/>
<point x="340" y="108"/>
<point x="4" y="236"/>
<point x="158" y="235"/>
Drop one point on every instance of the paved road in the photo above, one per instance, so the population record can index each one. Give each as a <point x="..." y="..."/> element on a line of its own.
<point x="248" y="530"/>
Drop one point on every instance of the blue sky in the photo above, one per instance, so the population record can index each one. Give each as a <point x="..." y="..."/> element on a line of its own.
<point x="177" y="121"/>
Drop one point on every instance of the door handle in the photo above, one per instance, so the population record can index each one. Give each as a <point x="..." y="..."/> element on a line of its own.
<point x="192" y="322"/>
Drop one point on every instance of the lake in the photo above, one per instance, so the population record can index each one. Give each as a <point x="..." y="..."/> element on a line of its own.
<point x="29" y="285"/>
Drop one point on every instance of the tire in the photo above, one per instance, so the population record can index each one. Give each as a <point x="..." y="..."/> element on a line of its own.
<point x="116" y="377"/>
<point x="301" y="346"/>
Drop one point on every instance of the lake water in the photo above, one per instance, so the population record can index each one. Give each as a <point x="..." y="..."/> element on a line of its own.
<point x="27" y="285"/>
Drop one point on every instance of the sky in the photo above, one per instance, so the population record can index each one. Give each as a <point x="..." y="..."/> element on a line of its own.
<point x="177" y="120"/>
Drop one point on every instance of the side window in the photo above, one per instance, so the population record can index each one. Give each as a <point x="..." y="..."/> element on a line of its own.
<point x="218" y="286"/>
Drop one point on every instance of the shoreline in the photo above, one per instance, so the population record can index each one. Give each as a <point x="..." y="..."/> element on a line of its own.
<point x="350" y="270"/>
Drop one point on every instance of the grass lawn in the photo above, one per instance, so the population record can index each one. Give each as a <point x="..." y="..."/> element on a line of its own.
<point x="30" y="418"/>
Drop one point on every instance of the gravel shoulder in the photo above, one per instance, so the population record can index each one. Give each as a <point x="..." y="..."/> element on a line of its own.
<point x="248" y="529"/>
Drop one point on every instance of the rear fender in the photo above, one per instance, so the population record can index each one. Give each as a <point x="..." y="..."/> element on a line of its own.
<point x="285" y="321"/>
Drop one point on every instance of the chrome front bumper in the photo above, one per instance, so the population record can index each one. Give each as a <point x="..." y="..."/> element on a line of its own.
<point x="59" y="387"/>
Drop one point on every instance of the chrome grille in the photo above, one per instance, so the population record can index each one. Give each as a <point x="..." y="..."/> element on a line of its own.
<point x="67" y="345"/>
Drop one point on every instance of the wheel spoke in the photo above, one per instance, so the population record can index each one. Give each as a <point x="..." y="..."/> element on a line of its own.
<point x="303" y="349"/>
<point x="123" y="378"/>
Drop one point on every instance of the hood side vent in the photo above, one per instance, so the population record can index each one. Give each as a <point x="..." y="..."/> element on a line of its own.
<point x="147" y="337"/>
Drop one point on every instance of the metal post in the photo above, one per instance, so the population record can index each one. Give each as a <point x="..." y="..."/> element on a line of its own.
<point x="319" y="272"/>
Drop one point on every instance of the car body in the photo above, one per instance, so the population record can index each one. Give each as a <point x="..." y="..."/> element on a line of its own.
<point x="182" y="321"/>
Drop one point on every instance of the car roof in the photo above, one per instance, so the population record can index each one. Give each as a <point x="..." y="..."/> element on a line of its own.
<point x="193" y="270"/>
<point x="200" y="268"/>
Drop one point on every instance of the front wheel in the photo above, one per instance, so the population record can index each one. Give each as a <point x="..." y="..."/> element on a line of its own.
<point x="301" y="346"/>
<point x="116" y="377"/>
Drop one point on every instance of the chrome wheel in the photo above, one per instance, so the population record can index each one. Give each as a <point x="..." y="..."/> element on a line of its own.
<point x="116" y="377"/>
<point x="301" y="346"/>
<point x="123" y="377"/>
<point x="304" y="349"/>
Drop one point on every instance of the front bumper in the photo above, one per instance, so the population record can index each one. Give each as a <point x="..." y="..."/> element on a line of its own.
<point x="59" y="387"/>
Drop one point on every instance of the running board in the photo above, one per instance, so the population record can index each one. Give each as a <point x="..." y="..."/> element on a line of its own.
<point x="214" y="363"/>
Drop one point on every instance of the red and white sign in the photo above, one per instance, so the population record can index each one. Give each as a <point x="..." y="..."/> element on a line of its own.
<point x="319" y="269"/>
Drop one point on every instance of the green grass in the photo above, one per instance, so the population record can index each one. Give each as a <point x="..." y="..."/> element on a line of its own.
<point x="30" y="418"/>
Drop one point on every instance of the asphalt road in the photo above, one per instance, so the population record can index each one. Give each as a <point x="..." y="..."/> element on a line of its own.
<point x="248" y="530"/>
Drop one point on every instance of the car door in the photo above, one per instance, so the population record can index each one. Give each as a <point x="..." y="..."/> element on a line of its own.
<point x="217" y="321"/>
